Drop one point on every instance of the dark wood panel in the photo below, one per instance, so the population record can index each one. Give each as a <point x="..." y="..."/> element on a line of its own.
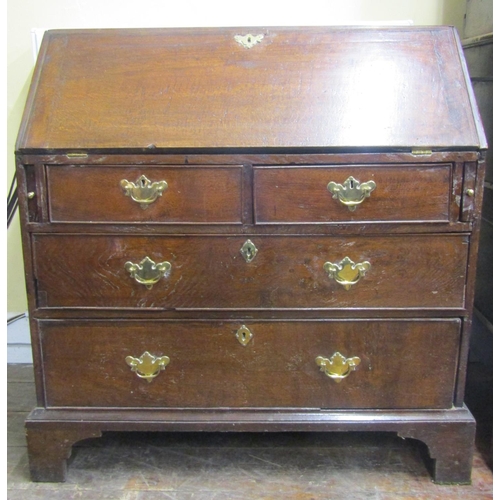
<point x="209" y="272"/>
<point x="249" y="230"/>
<point x="253" y="314"/>
<point x="298" y="88"/>
<point x="85" y="364"/>
<point x="300" y="194"/>
<point x="245" y="157"/>
<point x="194" y="194"/>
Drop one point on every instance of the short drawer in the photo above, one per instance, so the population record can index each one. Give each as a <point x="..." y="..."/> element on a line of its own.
<point x="157" y="195"/>
<point x="210" y="272"/>
<point x="352" y="193"/>
<point x="310" y="364"/>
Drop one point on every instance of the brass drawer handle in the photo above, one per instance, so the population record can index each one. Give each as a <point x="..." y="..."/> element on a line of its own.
<point x="352" y="193"/>
<point x="337" y="367"/>
<point x="147" y="366"/>
<point x="147" y="272"/>
<point x="346" y="272"/>
<point x="143" y="191"/>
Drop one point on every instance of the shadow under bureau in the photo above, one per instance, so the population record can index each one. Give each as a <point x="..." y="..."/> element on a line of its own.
<point x="261" y="229"/>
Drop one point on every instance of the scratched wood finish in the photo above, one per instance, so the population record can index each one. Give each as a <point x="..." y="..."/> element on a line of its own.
<point x="298" y="88"/>
<point x="194" y="194"/>
<point x="85" y="364"/>
<point x="300" y="195"/>
<point x="209" y="272"/>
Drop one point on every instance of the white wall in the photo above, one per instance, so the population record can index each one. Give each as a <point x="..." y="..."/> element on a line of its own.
<point x="479" y="18"/>
<point x="24" y="15"/>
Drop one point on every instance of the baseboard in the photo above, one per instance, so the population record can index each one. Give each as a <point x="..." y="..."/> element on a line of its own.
<point x="19" y="354"/>
<point x="18" y="339"/>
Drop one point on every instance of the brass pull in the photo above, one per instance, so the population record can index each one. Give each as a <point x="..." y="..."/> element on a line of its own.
<point x="337" y="367"/>
<point x="147" y="366"/>
<point x="346" y="272"/>
<point x="147" y="272"/>
<point x="352" y="193"/>
<point x="248" y="250"/>
<point x="143" y="191"/>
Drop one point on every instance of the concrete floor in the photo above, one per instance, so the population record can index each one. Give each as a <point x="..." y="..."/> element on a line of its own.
<point x="292" y="466"/>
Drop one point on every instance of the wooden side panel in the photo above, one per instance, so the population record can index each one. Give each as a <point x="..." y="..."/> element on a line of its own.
<point x="399" y="368"/>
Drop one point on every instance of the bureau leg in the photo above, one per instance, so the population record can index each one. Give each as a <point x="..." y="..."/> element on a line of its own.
<point x="451" y="447"/>
<point x="48" y="450"/>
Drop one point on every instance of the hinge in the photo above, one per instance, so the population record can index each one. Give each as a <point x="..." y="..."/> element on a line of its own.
<point x="77" y="155"/>
<point x="421" y="152"/>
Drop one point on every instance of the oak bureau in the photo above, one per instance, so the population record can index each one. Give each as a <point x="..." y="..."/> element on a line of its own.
<point x="250" y="229"/>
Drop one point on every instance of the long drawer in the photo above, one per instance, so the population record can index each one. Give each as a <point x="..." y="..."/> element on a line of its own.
<point x="310" y="364"/>
<point x="134" y="194"/>
<point x="105" y="271"/>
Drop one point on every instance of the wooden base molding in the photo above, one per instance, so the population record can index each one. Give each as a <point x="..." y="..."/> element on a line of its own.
<point x="448" y="434"/>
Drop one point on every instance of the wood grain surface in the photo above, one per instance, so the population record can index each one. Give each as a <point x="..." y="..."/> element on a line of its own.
<point x="194" y="194"/>
<point x="300" y="194"/>
<point x="210" y="273"/>
<point x="300" y="87"/>
<point x="85" y="364"/>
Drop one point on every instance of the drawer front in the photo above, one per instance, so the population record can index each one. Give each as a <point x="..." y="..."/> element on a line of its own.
<point x="167" y="194"/>
<point x="206" y="272"/>
<point x="352" y="194"/>
<point x="311" y="364"/>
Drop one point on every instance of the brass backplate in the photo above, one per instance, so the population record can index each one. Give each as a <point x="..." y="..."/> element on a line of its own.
<point x="147" y="272"/>
<point x="346" y="272"/>
<point x="143" y="191"/>
<point x="338" y="367"/>
<point x="248" y="41"/>
<point x="352" y="192"/>
<point x="147" y="366"/>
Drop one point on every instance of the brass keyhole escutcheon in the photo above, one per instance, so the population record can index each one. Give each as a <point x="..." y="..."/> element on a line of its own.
<point x="248" y="41"/>
<point x="352" y="192"/>
<point x="244" y="335"/>
<point x="147" y="366"/>
<point x="346" y="272"/>
<point x="338" y="367"/>
<point x="248" y="251"/>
